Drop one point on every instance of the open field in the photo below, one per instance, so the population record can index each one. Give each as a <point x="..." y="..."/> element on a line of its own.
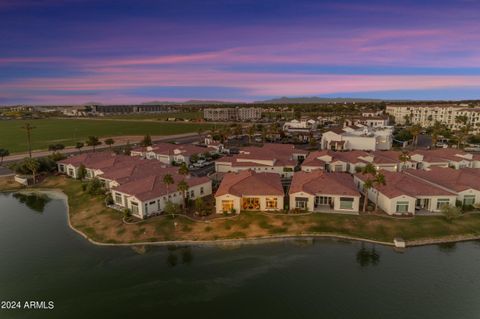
<point x="70" y="131"/>
<point x="89" y="215"/>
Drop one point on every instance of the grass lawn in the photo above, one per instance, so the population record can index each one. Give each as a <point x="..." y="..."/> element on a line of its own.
<point x="70" y="131"/>
<point x="89" y="215"/>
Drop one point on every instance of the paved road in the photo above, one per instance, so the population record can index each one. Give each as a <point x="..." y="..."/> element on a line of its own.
<point x="120" y="141"/>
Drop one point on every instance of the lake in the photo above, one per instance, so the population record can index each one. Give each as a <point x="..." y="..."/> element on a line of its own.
<point x="42" y="259"/>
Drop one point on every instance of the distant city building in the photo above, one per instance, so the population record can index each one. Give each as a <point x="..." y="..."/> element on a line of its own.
<point x="426" y="114"/>
<point x="304" y="125"/>
<point x="122" y="109"/>
<point x="232" y="114"/>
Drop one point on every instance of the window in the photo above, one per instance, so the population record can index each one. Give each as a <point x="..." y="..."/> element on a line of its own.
<point x="201" y="191"/>
<point x="271" y="202"/>
<point x="152" y="203"/>
<point x="301" y="202"/>
<point x="338" y="168"/>
<point x="192" y="193"/>
<point x="402" y="207"/>
<point x="442" y="202"/>
<point x="118" y="198"/>
<point x="251" y="203"/>
<point x="227" y="205"/>
<point x="134" y="207"/>
<point x="468" y="200"/>
<point x="346" y="203"/>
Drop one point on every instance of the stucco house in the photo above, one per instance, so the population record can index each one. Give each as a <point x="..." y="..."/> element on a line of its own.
<point x="464" y="182"/>
<point x="270" y="158"/>
<point x="405" y="194"/>
<point x="249" y="190"/>
<point x="323" y="191"/>
<point x="169" y="153"/>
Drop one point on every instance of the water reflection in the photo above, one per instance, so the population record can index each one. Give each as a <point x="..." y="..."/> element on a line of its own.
<point x="367" y="257"/>
<point x="447" y="247"/>
<point x="35" y="202"/>
<point x="176" y="254"/>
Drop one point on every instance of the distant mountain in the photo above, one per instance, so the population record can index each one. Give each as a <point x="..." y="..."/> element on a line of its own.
<point x="316" y="99"/>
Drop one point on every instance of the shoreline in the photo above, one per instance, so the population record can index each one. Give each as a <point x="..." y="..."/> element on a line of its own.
<point x="56" y="193"/>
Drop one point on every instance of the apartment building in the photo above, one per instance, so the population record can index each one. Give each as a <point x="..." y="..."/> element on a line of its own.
<point x="426" y="114"/>
<point x="232" y="114"/>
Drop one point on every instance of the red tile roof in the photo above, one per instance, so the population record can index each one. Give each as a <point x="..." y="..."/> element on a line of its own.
<point x="400" y="183"/>
<point x="247" y="183"/>
<point x="320" y="182"/>
<point x="454" y="179"/>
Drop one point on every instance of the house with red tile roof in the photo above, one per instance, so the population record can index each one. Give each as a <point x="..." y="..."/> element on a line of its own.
<point x="322" y="191"/>
<point x="405" y="194"/>
<point x="249" y="190"/>
<point x="443" y="157"/>
<point x="269" y="158"/>
<point x="168" y="153"/>
<point x="136" y="183"/>
<point x="336" y="161"/>
<point x="464" y="182"/>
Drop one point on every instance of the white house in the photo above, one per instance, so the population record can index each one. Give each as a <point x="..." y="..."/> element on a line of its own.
<point x="358" y="138"/>
<point x="322" y="191"/>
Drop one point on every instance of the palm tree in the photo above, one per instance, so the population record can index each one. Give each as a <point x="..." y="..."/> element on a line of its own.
<point x="182" y="187"/>
<point x="404" y="158"/>
<point x="366" y="188"/>
<point x="3" y="153"/>
<point x="436" y="130"/>
<point x="183" y="169"/>
<point x="379" y="180"/>
<point x="168" y="180"/>
<point x="251" y="132"/>
<point x="415" y="130"/>
<point x="33" y="166"/>
<point x="28" y="128"/>
<point x="109" y="142"/>
<point x="371" y="170"/>
<point x="93" y="141"/>
<point x="79" y="146"/>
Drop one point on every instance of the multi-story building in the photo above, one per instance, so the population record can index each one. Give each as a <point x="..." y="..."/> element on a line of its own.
<point x="232" y="114"/>
<point x="427" y="114"/>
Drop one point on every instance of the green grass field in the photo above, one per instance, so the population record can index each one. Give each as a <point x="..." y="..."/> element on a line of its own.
<point x="70" y="131"/>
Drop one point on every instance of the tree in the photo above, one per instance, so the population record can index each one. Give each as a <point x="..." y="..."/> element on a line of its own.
<point x="379" y="180"/>
<point x="109" y="142"/>
<point x="168" y="180"/>
<point x="3" y="153"/>
<point x="404" y="158"/>
<point x="435" y="132"/>
<point x="183" y="169"/>
<point x="451" y="212"/>
<point x="251" y="132"/>
<point x="171" y="209"/>
<point x="94" y="187"/>
<point x="200" y="206"/>
<point x="183" y="187"/>
<point x="56" y="147"/>
<point x="415" y="130"/>
<point x="28" y="128"/>
<point x="370" y="170"/>
<point x="93" y="141"/>
<point x="147" y="141"/>
<point x="33" y="165"/>
<point x="79" y="146"/>
<point x="82" y="172"/>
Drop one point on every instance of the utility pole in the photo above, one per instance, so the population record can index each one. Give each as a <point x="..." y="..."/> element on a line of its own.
<point x="27" y="127"/>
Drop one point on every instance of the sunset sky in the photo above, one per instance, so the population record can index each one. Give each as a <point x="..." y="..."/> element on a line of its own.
<point x="76" y="51"/>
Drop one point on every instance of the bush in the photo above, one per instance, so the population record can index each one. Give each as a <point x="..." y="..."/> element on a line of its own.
<point x="94" y="187"/>
<point x="451" y="212"/>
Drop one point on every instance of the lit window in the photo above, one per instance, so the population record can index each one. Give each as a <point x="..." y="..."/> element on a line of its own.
<point x="271" y="202"/>
<point x="227" y="205"/>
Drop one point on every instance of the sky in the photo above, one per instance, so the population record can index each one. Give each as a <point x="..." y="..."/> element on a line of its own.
<point x="118" y="51"/>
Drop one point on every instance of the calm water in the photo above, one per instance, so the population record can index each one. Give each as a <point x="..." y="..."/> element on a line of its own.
<point x="42" y="259"/>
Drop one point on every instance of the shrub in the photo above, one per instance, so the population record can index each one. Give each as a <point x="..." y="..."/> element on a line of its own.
<point x="451" y="212"/>
<point x="94" y="187"/>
